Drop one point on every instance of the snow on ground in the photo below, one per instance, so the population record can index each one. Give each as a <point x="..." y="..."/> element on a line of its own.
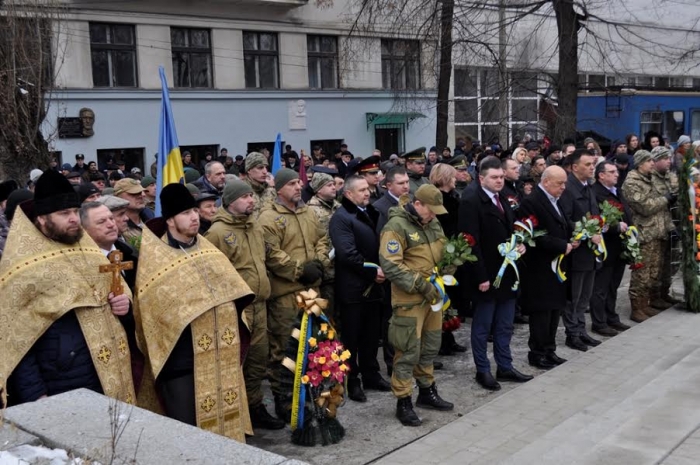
<point x="24" y="455"/>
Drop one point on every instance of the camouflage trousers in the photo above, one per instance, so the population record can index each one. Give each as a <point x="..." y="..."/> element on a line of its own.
<point x="255" y="364"/>
<point x="645" y="280"/>
<point x="281" y="316"/>
<point x="415" y="333"/>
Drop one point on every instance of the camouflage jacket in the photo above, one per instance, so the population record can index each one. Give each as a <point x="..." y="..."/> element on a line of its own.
<point x="323" y="210"/>
<point x="292" y="238"/>
<point x="649" y="208"/>
<point x="240" y="238"/>
<point x="667" y="183"/>
<point x="408" y="253"/>
<point x="264" y="196"/>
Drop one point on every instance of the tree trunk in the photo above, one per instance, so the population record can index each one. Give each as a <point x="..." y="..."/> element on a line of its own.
<point x="567" y="83"/>
<point x="444" y="72"/>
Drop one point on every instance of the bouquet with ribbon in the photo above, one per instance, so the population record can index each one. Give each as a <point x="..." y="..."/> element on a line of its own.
<point x="456" y="252"/>
<point x="525" y="233"/>
<point x="319" y="371"/>
<point x="612" y="212"/>
<point x="631" y="252"/>
<point x="589" y="226"/>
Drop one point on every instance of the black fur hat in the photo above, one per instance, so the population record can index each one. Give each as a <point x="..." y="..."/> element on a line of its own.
<point x="174" y="199"/>
<point x="54" y="193"/>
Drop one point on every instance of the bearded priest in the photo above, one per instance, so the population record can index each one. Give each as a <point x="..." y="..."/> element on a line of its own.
<point x="59" y="325"/>
<point x="189" y="303"/>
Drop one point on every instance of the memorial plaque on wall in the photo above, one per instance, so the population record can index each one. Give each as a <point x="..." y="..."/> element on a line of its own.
<point x="70" y="127"/>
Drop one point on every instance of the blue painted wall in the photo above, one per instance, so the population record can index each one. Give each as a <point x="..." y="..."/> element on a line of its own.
<point x="231" y="119"/>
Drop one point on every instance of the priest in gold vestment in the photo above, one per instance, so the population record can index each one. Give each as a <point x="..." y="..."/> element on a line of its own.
<point x="189" y="301"/>
<point x="59" y="325"/>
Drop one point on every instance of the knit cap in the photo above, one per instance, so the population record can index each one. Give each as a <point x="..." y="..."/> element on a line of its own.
<point x="319" y="180"/>
<point x="284" y="176"/>
<point x="233" y="191"/>
<point x="640" y="156"/>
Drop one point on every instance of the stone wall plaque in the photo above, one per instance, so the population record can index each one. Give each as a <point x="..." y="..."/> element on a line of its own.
<point x="70" y="127"/>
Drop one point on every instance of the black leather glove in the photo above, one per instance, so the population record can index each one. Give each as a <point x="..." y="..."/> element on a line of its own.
<point x="313" y="271"/>
<point x="671" y="198"/>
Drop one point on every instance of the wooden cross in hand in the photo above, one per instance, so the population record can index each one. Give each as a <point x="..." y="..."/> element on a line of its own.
<point x="116" y="267"/>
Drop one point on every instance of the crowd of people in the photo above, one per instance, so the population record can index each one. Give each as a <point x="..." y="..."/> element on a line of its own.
<point x="208" y="303"/>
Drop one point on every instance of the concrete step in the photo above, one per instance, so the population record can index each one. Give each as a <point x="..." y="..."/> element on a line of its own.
<point x="632" y="400"/>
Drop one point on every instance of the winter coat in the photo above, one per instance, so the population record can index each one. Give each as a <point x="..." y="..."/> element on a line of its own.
<point x="382" y="207"/>
<point x="59" y="361"/>
<point x="416" y="180"/>
<point x="613" y="241"/>
<point x="575" y="202"/>
<point x="540" y="288"/>
<point x="448" y="221"/>
<point x="479" y="217"/>
<point x="356" y="242"/>
<point x="649" y="208"/>
<point x="408" y="254"/>
<point x="205" y="187"/>
<point x="292" y="238"/>
<point x="240" y="238"/>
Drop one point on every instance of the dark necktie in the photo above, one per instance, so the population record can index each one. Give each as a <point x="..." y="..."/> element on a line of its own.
<point x="498" y="204"/>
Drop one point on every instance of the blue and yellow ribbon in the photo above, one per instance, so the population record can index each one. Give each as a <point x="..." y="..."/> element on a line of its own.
<point x="299" y="395"/>
<point x="509" y="252"/>
<point x="599" y="250"/>
<point x="438" y="282"/>
<point x="556" y="268"/>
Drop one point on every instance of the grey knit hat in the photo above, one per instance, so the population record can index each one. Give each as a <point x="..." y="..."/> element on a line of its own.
<point x="283" y="176"/>
<point x="640" y="156"/>
<point x="112" y="202"/>
<point x="319" y="180"/>
<point x="235" y="190"/>
<point x="254" y="159"/>
<point x="660" y="152"/>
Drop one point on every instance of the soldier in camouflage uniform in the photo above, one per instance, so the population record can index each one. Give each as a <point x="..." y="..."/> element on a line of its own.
<point x="650" y="213"/>
<point x="240" y="238"/>
<point x="324" y="204"/>
<point x="256" y="166"/>
<point x="410" y="248"/>
<point x="665" y="182"/>
<point x="297" y="250"/>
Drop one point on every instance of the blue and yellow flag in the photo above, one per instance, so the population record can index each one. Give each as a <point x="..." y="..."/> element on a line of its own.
<point x="169" y="160"/>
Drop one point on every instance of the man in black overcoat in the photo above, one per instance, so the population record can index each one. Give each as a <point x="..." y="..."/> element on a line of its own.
<point x="578" y="200"/>
<point x="605" y="320"/>
<point x="544" y="296"/>
<point x="484" y="213"/>
<point x="358" y="290"/>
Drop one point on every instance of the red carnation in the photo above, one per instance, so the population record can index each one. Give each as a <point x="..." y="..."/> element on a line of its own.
<point x="598" y="218"/>
<point x="636" y="266"/>
<point x="533" y="218"/>
<point x="469" y="239"/>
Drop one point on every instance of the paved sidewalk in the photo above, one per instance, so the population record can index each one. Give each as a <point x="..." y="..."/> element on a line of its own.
<point x="633" y="400"/>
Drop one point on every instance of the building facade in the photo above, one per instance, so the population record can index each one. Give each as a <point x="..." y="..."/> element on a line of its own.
<point x="239" y="73"/>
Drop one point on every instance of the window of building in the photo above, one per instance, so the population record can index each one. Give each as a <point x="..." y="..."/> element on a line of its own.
<point x="678" y="82"/>
<point x="662" y="82"/>
<point x="133" y="158"/>
<point x="650" y="121"/>
<point x="199" y="152"/>
<point x="323" y="61"/>
<point x="476" y="105"/>
<point x="596" y="82"/>
<point x="674" y="125"/>
<point x="400" y="64"/>
<point x="329" y="146"/>
<point x="113" y="54"/>
<point x="261" y="60"/>
<point x="696" y="83"/>
<point x="259" y="146"/>
<point x="191" y="54"/>
<point x="645" y="81"/>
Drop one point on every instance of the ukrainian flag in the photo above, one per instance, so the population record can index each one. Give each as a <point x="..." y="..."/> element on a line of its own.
<point x="169" y="160"/>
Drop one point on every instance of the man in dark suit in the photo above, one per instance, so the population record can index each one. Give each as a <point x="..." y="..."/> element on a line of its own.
<point x="543" y="296"/>
<point x="578" y="200"/>
<point x="484" y="213"/>
<point x="605" y="320"/>
<point x="396" y="185"/>
<point x="358" y="290"/>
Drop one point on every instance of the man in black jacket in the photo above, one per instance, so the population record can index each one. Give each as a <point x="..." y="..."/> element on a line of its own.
<point x="577" y="201"/>
<point x="543" y="295"/>
<point x="484" y="213"/>
<point x="605" y="320"/>
<point x="358" y="289"/>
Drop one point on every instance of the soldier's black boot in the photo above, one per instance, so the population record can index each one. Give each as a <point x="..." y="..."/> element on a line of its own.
<point x="283" y="409"/>
<point x="429" y="398"/>
<point x="260" y="418"/>
<point x="355" y="391"/>
<point x="405" y="413"/>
